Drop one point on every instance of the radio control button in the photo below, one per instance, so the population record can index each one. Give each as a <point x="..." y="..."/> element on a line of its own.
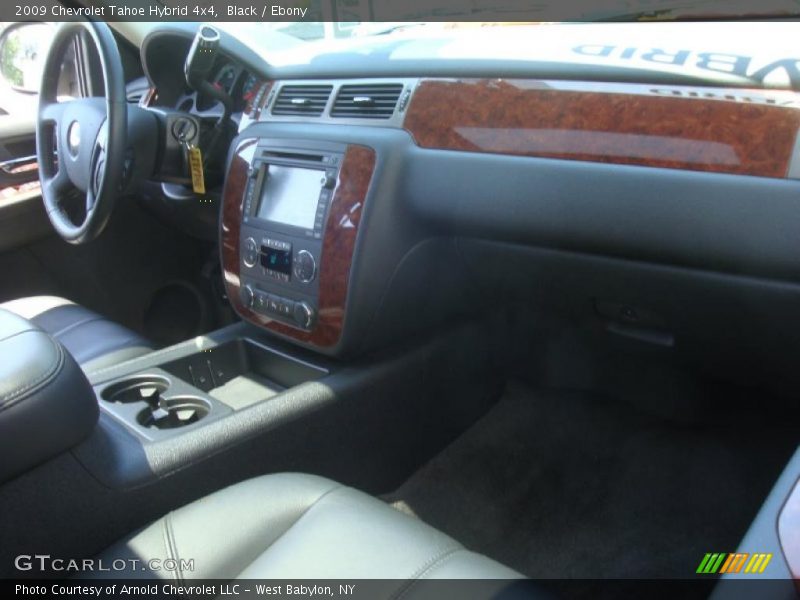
<point x="260" y="303"/>
<point x="247" y="295"/>
<point x="285" y="307"/>
<point x="272" y="305"/>
<point x="250" y="256"/>
<point x="305" y="267"/>
<point x="304" y="314"/>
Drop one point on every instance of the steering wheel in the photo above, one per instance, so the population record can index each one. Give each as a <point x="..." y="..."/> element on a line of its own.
<point x="81" y="144"/>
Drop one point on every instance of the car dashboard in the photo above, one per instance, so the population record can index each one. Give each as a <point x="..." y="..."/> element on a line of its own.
<point x="419" y="268"/>
<point x="412" y="174"/>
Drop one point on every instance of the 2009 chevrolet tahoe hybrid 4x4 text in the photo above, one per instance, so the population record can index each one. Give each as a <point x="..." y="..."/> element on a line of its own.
<point x="386" y="302"/>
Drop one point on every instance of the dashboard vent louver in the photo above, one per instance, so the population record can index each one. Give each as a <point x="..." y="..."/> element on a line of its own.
<point x="135" y="96"/>
<point x="304" y="100"/>
<point x="367" y="101"/>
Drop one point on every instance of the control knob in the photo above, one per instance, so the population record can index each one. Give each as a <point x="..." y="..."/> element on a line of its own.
<point x="250" y="252"/>
<point x="305" y="267"/>
<point x="304" y="314"/>
<point x="248" y="296"/>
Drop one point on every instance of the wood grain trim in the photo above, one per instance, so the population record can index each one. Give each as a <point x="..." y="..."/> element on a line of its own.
<point x="789" y="532"/>
<point x="12" y="193"/>
<point x="22" y="191"/>
<point x="341" y="230"/>
<point x="672" y="128"/>
<point x="149" y="98"/>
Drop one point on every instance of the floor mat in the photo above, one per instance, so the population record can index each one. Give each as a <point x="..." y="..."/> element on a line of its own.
<point x="571" y="485"/>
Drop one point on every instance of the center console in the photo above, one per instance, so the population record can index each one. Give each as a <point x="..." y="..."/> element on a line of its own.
<point x="290" y="219"/>
<point x="291" y="212"/>
<point x="195" y="387"/>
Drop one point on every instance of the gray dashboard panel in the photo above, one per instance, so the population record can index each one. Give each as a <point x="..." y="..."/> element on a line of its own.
<point x="714" y="222"/>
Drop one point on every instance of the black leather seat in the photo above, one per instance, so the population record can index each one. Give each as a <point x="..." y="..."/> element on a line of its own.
<point x="297" y="526"/>
<point x="92" y="340"/>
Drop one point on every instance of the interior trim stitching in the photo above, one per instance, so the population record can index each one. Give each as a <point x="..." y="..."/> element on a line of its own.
<point x="13" y="335"/>
<point x="72" y="326"/>
<point x="172" y="548"/>
<point x="335" y="488"/>
<point x="20" y="332"/>
<point x="14" y="397"/>
<point x="165" y="537"/>
<point x="431" y="564"/>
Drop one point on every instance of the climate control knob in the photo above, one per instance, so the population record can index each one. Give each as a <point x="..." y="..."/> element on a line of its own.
<point x="305" y="267"/>
<point x="250" y="254"/>
<point x="248" y="296"/>
<point x="304" y="314"/>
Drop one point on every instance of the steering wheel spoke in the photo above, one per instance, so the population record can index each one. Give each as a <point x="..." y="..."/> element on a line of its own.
<point x="58" y="186"/>
<point x="96" y="167"/>
<point x="96" y="177"/>
<point x="52" y="112"/>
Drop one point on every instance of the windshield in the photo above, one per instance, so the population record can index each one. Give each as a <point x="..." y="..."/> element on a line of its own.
<point x="329" y="19"/>
<point x="754" y="54"/>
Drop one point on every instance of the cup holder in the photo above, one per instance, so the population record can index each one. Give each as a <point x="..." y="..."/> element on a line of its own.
<point x="175" y="412"/>
<point x="147" y="388"/>
<point x="158" y="405"/>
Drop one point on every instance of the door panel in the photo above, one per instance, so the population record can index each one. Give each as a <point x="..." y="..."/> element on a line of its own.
<point x="22" y="215"/>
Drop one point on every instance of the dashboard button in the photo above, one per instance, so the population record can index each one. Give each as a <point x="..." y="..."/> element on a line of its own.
<point x="285" y="307"/>
<point x="304" y="314"/>
<point x="261" y="301"/>
<point x="247" y="295"/>
<point x="250" y="256"/>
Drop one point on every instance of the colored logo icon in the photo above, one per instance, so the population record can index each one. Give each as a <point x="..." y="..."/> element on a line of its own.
<point x="737" y="562"/>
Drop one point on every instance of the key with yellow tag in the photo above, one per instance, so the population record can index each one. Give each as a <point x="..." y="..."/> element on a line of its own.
<point x="196" y="169"/>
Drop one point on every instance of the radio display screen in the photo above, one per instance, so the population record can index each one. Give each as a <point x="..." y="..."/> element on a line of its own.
<point x="279" y="261"/>
<point x="289" y="195"/>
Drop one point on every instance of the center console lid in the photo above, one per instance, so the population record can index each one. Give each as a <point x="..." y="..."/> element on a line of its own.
<point x="46" y="403"/>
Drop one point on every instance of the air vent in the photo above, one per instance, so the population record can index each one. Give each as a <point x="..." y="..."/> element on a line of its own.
<point x="306" y="100"/>
<point x="367" y="101"/>
<point x="136" y="90"/>
<point x="136" y="96"/>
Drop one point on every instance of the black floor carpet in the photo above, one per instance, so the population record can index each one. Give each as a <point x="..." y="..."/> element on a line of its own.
<point x="572" y="485"/>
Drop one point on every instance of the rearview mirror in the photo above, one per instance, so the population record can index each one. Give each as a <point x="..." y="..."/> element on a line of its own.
<point x="23" y="50"/>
